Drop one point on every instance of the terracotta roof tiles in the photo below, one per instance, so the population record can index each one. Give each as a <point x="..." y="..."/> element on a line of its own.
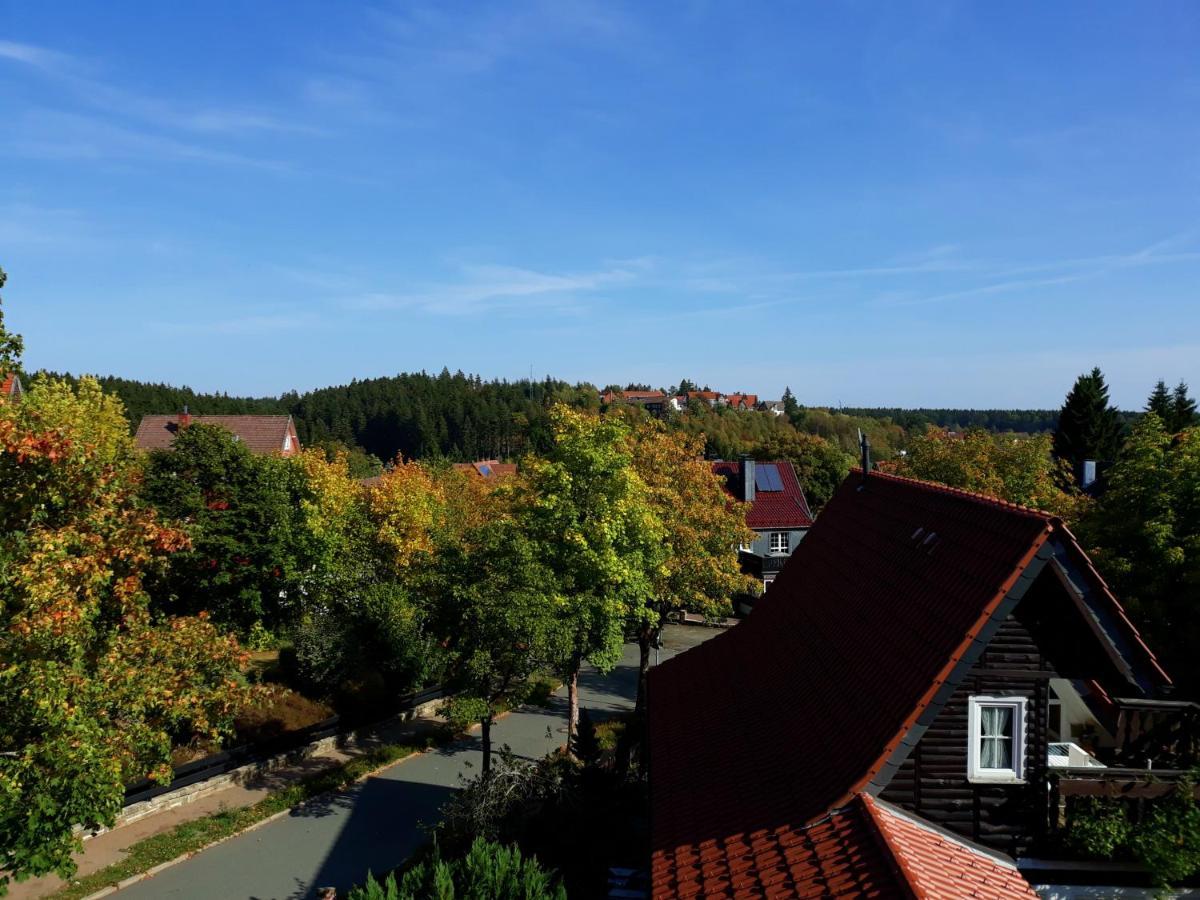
<point x="260" y="434"/>
<point x="770" y="509"/>
<point x="850" y="646"/>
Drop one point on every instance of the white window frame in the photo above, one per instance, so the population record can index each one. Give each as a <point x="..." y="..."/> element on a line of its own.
<point x="976" y="772"/>
<point x="787" y="543"/>
<point x="287" y="443"/>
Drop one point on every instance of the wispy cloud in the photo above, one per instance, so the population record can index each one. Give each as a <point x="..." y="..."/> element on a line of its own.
<point x="111" y="120"/>
<point x="242" y="325"/>
<point x="53" y="135"/>
<point x="1064" y="271"/>
<point x="490" y="288"/>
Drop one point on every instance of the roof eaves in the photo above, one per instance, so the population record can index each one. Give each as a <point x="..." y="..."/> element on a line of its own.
<point x="935" y="487"/>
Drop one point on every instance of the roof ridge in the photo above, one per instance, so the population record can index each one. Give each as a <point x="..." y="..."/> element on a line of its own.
<point x="976" y="496"/>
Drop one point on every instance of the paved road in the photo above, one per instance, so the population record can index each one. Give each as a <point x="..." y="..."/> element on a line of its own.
<point x="375" y="824"/>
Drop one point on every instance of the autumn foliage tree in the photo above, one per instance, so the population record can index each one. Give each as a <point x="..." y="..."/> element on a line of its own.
<point x="93" y="687"/>
<point x="589" y="515"/>
<point x="701" y="526"/>
<point x="1018" y="469"/>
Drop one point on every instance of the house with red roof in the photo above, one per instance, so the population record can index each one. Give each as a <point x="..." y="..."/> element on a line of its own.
<point x="742" y="401"/>
<point x="488" y="468"/>
<point x="654" y="402"/>
<point x="10" y="387"/>
<point x="777" y="511"/>
<point x="264" y="435"/>
<point x="933" y="683"/>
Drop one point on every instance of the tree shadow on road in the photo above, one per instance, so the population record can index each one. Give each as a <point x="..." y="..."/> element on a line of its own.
<point x="382" y="829"/>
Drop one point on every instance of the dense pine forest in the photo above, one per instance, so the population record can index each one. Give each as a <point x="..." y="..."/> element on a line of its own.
<point x="462" y="417"/>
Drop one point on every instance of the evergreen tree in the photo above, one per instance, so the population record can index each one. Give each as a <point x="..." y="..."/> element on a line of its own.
<point x="790" y="406"/>
<point x="1160" y="402"/>
<point x="1088" y="428"/>
<point x="1183" y="409"/>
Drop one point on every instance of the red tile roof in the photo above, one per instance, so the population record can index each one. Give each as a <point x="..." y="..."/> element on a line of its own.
<point x="865" y="849"/>
<point x="743" y="401"/>
<point x="10" y="385"/>
<point x="816" y="695"/>
<point x="770" y="509"/>
<point x="488" y="468"/>
<point x="260" y="434"/>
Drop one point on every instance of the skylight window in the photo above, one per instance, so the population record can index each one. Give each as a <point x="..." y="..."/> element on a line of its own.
<point x="766" y="478"/>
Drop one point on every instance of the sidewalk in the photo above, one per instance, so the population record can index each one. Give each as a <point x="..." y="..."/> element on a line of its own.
<point x="110" y="847"/>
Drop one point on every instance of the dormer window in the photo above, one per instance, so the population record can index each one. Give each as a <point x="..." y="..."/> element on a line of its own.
<point x="996" y="729"/>
<point x="779" y="542"/>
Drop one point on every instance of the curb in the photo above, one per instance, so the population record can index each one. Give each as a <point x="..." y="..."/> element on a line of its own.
<point x="154" y="870"/>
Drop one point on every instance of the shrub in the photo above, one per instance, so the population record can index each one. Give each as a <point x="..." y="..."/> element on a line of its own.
<point x="1167" y="840"/>
<point x="487" y="870"/>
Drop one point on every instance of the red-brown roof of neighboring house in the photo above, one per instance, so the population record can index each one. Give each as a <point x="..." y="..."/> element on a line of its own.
<point x="260" y="434"/>
<point x="770" y="509"/>
<point x="871" y="617"/>
<point x="633" y="396"/>
<point x="10" y="385"/>
<point x="703" y="395"/>
<point x="867" y="848"/>
<point x="743" y="401"/>
<point x="488" y="468"/>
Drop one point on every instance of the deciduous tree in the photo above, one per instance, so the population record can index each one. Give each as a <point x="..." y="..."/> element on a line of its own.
<point x="497" y="618"/>
<point x="250" y="550"/>
<point x="590" y="516"/>
<point x="1144" y="536"/>
<point x="702" y="528"/>
<point x="93" y="688"/>
<point x="1020" y="470"/>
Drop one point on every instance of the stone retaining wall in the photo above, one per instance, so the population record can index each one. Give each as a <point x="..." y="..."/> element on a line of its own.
<point x="243" y="774"/>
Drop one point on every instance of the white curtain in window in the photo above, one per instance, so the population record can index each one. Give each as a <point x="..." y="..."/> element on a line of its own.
<point x="995" y="733"/>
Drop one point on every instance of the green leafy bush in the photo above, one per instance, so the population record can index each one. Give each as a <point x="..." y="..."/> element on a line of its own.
<point x="1167" y="840"/>
<point x="1099" y="827"/>
<point x="488" y="871"/>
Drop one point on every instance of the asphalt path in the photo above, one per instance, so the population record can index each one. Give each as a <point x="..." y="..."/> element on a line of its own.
<point x="375" y="825"/>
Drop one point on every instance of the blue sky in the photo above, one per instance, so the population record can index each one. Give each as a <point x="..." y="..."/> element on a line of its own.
<point x="936" y="204"/>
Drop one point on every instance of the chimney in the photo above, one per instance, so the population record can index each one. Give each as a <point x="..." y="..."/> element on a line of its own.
<point x="747" y="479"/>
<point x="865" y="447"/>
<point x="185" y="418"/>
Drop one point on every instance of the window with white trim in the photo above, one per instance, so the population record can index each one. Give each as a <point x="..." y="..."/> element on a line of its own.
<point x="996" y="730"/>
<point x="779" y="542"/>
<point x="287" y="443"/>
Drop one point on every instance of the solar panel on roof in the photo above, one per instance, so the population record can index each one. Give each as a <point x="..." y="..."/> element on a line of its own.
<point x="766" y="478"/>
<point x="485" y="469"/>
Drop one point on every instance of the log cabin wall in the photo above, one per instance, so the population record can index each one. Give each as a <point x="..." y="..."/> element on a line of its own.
<point x="933" y="782"/>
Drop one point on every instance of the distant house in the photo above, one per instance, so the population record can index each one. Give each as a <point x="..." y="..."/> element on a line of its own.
<point x="488" y="468"/>
<point x="263" y="435"/>
<point x="932" y="682"/>
<point x="775" y="407"/>
<point x="778" y="512"/>
<point x="10" y="387"/>
<point x="742" y="401"/>
<point x="654" y="402"/>
<point x="712" y="398"/>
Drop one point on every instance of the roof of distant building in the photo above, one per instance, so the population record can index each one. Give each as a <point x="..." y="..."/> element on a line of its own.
<point x="867" y="630"/>
<point x="743" y="401"/>
<point x="786" y="508"/>
<point x="488" y="468"/>
<point x="10" y="385"/>
<point x="260" y="434"/>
